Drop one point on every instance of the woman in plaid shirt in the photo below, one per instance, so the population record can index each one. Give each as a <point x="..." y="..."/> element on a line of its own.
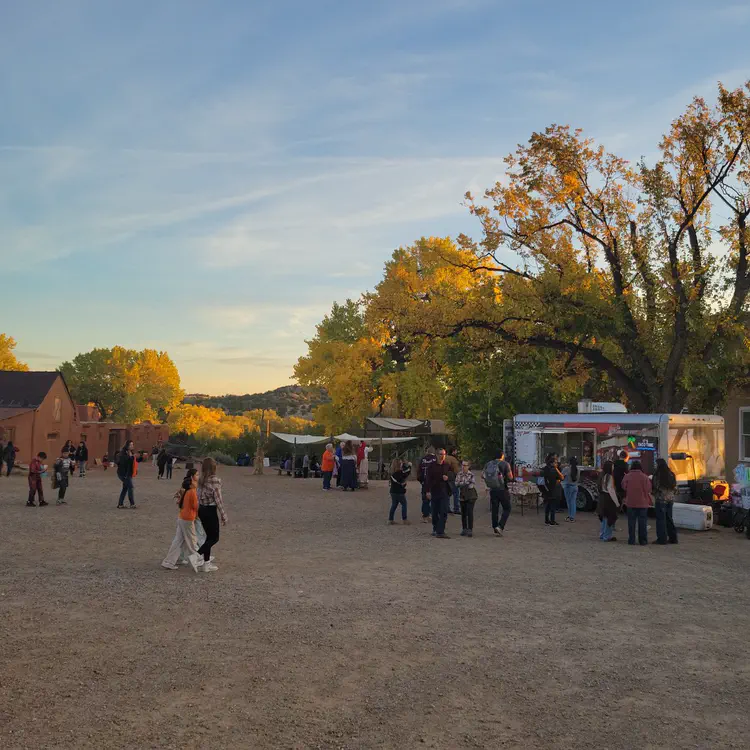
<point x="210" y="510"/>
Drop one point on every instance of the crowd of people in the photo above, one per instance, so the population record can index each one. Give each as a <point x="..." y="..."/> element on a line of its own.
<point x="199" y="500"/>
<point x="449" y="487"/>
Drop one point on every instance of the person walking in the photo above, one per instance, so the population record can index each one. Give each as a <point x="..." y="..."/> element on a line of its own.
<point x="70" y="449"/>
<point x="62" y="476"/>
<point x="455" y="466"/>
<point x="570" y="487"/>
<point x="424" y="465"/>
<point x="637" y="488"/>
<point x="82" y="457"/>
<point x="439" y="490"/>
<point x="306" y="466"/>
<point x="161" y="463"/>
<point x="551" y="489"/>
<point x="10" y="457"/>
<point x="36" y="468"/>
<point x="663" y="486"/>
<point x="399" y="475"/>
<point x="327" y="466"/>
<point x="497" y="475"/>
<point x="154" y="455"/>
<point x="127" y="469"/>
<point x="210" y="511"/>
<point x="348" y="467"/>
<point x="609" y="504"/>
<point x="184" y="538"/>
<point x="468" y="493"/>
<point x="171" y="461"/>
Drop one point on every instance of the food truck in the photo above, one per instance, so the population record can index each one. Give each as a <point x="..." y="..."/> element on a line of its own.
<point x="692" y="444"/>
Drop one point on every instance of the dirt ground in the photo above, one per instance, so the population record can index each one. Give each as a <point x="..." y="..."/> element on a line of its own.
<point x="326" y="628"/>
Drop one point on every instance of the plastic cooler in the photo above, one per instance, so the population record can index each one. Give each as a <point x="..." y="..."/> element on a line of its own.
<point x="696" y="517"/>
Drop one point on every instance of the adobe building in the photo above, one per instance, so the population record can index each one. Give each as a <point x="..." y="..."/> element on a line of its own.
<point x="38" y="414"/>
<point x="737" y="431"/>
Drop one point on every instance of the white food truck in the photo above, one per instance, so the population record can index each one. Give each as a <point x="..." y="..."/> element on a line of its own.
<point x="693" y="445"/>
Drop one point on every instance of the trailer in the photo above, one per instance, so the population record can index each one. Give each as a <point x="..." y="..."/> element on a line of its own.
<point x="692" y="444"/>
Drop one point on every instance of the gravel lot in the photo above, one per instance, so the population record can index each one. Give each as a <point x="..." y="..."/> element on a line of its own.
<point x="325" y="627"/>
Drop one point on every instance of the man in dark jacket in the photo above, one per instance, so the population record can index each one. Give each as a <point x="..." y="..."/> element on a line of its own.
<point x="429" y="458"/>
<point x="81" y="457"/>
<point x="126" y="470"/>
<point x="439" y="483"/>
<point x="619" y="471"/>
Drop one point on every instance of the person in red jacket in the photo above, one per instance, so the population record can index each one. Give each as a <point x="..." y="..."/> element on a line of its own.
<point x="637" y="488"/>
<point x="36" y="467"/>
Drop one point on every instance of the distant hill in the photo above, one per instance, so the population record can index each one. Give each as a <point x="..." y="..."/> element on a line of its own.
<point x="287" y="401"/>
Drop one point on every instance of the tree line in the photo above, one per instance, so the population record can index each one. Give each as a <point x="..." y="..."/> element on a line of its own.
<point x="591" y="276"/>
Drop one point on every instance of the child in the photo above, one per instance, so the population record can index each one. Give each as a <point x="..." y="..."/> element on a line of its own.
<point x="36" y="468"/>
<point x="184" y="538"/>
<point x="105" y="461"/>
<point x="468" y="495"/>
<point x="62" y="475"/>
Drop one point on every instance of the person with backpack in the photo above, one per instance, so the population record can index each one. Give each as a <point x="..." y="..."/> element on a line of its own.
<point x="497" y="475"/>
<point x="424" y="465"/>
<point x="663" y="486"/>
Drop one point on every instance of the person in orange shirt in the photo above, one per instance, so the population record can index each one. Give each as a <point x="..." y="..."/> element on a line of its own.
<point x="327" y="465"/>
<point x="184" y="538"/>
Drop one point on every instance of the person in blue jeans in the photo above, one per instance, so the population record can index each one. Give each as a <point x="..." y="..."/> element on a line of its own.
<point x="126" y="470"/>
<point x="439" y="482"/>
<point x="637" y="487"/>
<point x="571" y="475"/>
<point x="400" y="471"/>
<point x="663" y="487"/>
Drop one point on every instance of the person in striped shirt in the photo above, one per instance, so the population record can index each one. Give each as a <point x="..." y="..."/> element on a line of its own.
<point x="210" y="511"/>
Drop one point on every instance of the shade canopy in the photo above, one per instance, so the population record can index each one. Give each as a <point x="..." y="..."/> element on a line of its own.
<point x="385" y="423"/>
<point x="321" y="439"/>
<point x="301" y="439"/>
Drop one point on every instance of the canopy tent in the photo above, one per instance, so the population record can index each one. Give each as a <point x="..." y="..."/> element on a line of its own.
<point x="384" y="423"/>
<point x="301" y="439"/>
<point x="321" y="440"/>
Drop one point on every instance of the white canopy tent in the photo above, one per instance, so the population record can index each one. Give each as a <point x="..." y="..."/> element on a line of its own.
<point x="300" y="440"/>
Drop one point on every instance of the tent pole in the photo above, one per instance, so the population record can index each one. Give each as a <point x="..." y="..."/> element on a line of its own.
<point x="380" y="466"/>
<point x="294" y="460"/>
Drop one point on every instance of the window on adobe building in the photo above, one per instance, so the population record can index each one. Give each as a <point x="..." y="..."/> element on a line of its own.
<point x="53" y="436"/>
<point x="57" y="413"/>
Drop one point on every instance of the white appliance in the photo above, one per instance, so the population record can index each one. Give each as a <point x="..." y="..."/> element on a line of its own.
<point x="696" y="517"/>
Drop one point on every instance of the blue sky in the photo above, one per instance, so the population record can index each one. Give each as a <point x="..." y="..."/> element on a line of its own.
<point x="207" y="178"/>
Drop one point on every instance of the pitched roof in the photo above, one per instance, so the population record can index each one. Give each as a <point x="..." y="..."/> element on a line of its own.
<point x="25" y="389"/>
